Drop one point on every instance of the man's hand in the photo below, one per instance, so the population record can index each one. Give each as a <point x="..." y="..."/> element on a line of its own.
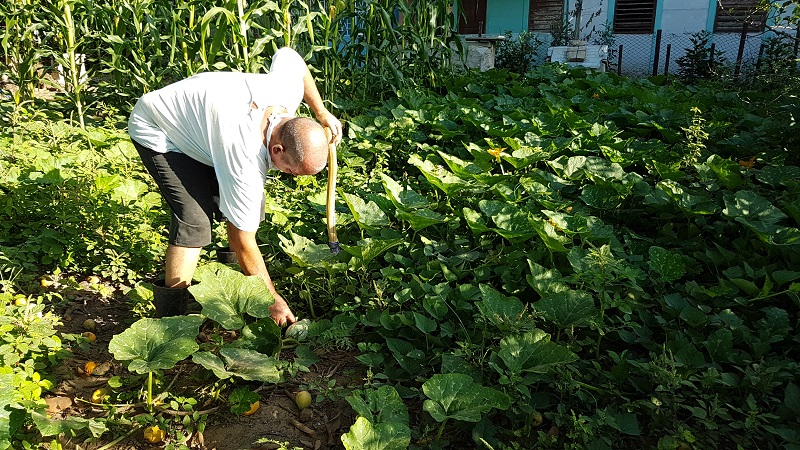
<point x="326" y="119"/>
<point x="280" y="312"/>
<point x="252" y="263"/>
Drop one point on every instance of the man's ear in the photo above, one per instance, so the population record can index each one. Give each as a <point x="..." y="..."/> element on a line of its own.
<point x="275" y="149"/>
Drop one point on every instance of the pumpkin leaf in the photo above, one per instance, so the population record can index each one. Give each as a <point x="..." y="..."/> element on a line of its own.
<point x="156" y="344"/>
<point x="533" y="352"/>
<point x="227" y="295"/>
<point x="457" y="396"/>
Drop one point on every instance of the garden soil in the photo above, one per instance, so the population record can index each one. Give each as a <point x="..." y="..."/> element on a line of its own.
<point x="278" y="420"/>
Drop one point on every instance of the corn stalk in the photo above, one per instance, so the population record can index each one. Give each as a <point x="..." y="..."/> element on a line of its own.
<point x="20" y="43"/>
<point x="69" y="59"/>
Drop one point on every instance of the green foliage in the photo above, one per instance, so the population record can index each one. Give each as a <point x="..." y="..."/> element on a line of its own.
<point x="241" y="400"/>
<point x="456" y="396"/>
<point x="156" y="344"/>
<point x="382" y="421"/>
<point x="228" y="295"/>
<point x="82" y="211"/>
<point x="518" y="55"/>
<point x="698" y="62"/>
<point x="30" y="350"/>
<point x="356" y="50"/>
<point x="619" y="256"/>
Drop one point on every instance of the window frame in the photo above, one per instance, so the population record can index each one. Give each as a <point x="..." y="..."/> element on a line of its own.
<point x="631" y="24"/>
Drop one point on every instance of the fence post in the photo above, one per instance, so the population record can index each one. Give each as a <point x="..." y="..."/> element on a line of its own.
<point x="619" y="61"/>
<point x="740" y="54"/>
<point x="760" y="54"/>
<point x="713" y="49"/>
<point x="666" y="59"/>
<point x="796" y="41"/>
<point x="657" y="55"/>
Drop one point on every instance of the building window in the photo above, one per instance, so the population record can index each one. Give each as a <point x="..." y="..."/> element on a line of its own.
<point x="733" y="14"/>
<point x="544" y="13"/>
<point x="634" y="16"/>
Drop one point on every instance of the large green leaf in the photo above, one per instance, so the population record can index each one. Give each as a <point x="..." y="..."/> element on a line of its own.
<point x="440" y="177"/>
<point x="11" y="414"/>
<point x="762" y="217"/>
<point x="156" y="344"/>
<point x="247" y="364"/>
<point x="304" y="252"/>
<point x="129" y="190"/>
<point x="601" y="196"/>
<point x="533" y="352"/>
<point x="475" y="221"/>
<point x="366" y="214"/>
<point x="569" y="168"/>
<point x="53" y="427"/>
<point x="213" y="363"/>
<point x="403" y="197"/>
<point x="545" y="281"/>
<point x="525" y="155"/>
<point x="690" y="203"/>
<point x="421" y="218"/>
<point x="457" y="396"/>
<point x="776" y="176"/>
<point x="382" y="421"/>
<point x="370" y="248"/>
<point x="380" y="405"/>
<point x="227" y="295"/>
<point x="512" y="223"/>
<point x="263" y="336"/>
<point x="668" y="264"/>
<point x="567" y="308"/>
<point x="364" y="435"/>
<point x="727" y="172"/>
<point x="464" y="169"/>
<point x="554" y="240"/>
<point x="601" y="169"/>
<point x="501" y="311"/>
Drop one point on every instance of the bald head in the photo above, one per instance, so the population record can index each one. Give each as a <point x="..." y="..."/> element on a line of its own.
<point x="306" y="144"/>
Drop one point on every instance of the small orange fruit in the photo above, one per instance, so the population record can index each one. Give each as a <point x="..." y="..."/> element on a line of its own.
<point x="89" y="368"/>
<point x="99" y="395"/>
<point x="253" y="408"/>
<point x="90" y="336"/>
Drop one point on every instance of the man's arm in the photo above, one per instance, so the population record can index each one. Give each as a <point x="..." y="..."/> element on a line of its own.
<point x="252" y="263"/>
<point x="314" y="101"/>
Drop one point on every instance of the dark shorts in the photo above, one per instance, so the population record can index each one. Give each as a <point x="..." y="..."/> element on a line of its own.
<point x="191" y="190"/>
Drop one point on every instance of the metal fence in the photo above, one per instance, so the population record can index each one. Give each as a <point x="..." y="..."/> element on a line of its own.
<point x="732" y="54"/>
<point x="741" y="55"/>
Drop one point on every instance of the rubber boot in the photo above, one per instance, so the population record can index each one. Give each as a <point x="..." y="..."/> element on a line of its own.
<point x="226" y="256"/>
<point x="170" y="301"/>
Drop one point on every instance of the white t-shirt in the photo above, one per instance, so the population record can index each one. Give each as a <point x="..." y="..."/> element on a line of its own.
<point x="210" y="118"/>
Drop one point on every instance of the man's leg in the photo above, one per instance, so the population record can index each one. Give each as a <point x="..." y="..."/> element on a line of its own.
<point x="189" y="188"/>
<point x="180" y="265"/>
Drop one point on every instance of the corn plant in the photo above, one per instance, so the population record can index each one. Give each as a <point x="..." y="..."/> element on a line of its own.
<point x="359" y="49"/>
<point x="62" y="14"/>
<point x="22" y="28"/>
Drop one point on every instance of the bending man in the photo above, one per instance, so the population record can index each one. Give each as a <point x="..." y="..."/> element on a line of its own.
<point x="208" y="141"/>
